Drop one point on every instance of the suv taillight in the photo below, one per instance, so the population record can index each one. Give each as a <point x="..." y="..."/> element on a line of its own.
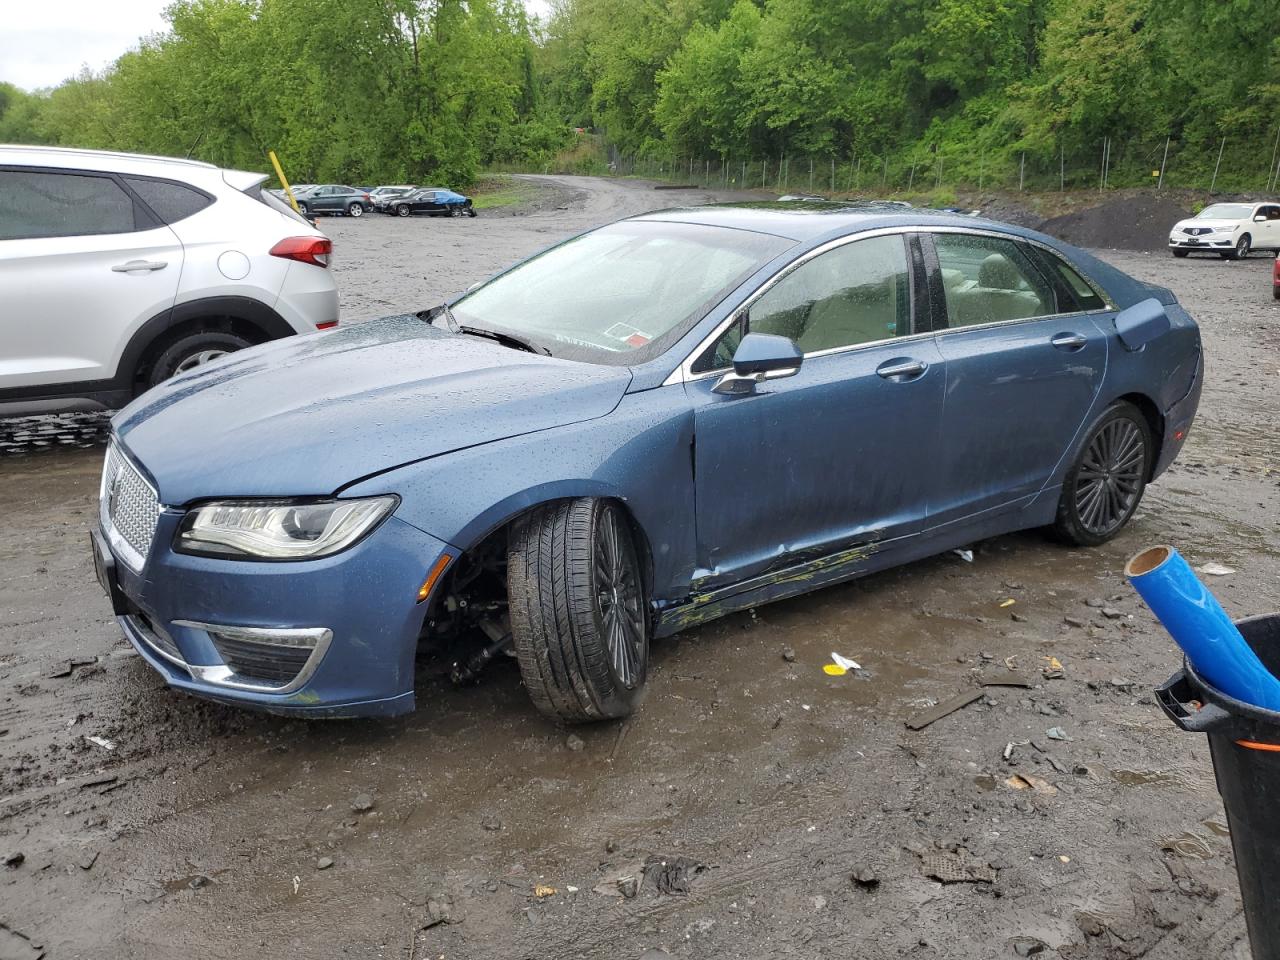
<point x="315" y="250"/>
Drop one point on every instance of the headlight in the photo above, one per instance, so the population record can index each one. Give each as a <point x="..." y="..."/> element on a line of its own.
<point x="279" y="529"/>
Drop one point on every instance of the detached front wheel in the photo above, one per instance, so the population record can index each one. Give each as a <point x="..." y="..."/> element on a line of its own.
<point x="579" y="616"/>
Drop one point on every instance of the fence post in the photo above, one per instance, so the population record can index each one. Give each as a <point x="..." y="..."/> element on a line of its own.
<point x="811" y="173"/>
<point x="884" y="181"/>
<point x="1214" y="182"/>
<point x="982" y="167"/>
<point x="1022" y="171"/>
<point x="1273" y="159"/>
<point x="833" y="174"/>
<point x="1163" y="161"/>
<point x="912" y="178"/>
<point x="1062" y="168"/>
<point x="1102" y="174"/>
<point x="764" y="173"/>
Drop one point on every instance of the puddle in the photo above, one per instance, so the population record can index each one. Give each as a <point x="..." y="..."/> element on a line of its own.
<point x="1140" y="778"/>
<point x="1217" y="827"/>
<point x="985" y="781"/>
<point x="1190" y="845"/>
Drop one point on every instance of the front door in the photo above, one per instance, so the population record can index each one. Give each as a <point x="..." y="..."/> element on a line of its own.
<point x="80" y="269"/>
<point x="841" y="453"/>
<point x="1024" y="366"/>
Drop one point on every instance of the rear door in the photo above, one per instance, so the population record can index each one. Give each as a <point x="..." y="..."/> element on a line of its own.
<point x="82" y="265"/>
<point x="1269" y="229"/>
<point x="1025" y="361"/>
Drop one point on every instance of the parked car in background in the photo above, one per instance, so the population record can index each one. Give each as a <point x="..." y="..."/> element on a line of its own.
<point x="1231" y="230"/>
<point x="381" y="196"/>
<point x="118" y="271"/>
<point x="433" y="201"/>
<point x="333" y="199"/>
<point x="653" y="424"/>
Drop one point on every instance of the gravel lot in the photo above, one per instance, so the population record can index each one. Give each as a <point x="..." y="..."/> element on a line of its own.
<point x="809" y="816"/>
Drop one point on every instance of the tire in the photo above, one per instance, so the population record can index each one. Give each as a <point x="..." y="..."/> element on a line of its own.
<point x="579" y="615"/>
<point x="1180" y="253"/>
<point x="191" y="351"/>
<point x="403" y="210"/>
<point x="304" y="209"/>
<point x="355" y="210"/>
<point x="1275" y="292"/>
<point x="1114" y="460"/>
<point x="471" y="211"/>
<point x="455" y="210"/>
<point x="1242" y="248"/>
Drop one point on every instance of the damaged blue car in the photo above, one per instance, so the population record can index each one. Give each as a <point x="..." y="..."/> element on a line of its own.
<point x="655" y="423"/>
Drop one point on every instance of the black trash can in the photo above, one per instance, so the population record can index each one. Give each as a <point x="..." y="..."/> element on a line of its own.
<point x="1245" y="743"/>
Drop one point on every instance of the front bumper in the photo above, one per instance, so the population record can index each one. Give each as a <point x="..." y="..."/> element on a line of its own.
<point x="365" y="598"/>
<point x="1181" y="241"/>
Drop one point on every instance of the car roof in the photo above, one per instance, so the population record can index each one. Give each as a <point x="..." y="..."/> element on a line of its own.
<point x="106" y="160"/>
<point x="803" y="220"/>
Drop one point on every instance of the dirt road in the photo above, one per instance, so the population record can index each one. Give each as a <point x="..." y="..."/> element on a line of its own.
<point x="473" y="829"/>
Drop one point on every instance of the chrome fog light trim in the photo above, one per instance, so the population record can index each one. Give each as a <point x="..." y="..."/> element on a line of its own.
<point x="317" y="639"/>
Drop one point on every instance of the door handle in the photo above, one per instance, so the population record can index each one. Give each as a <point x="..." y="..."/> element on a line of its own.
<point x="1068" y="341"/>
<point x="139" y="265"/>
<point x="902" y="369"/>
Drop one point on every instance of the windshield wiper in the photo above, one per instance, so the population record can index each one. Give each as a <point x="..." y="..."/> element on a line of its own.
<point x="506" y="339"/>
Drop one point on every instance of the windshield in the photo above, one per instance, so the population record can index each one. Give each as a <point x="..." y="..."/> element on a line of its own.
<point x="1225" y="211"/>
<point x="621" y="294"/>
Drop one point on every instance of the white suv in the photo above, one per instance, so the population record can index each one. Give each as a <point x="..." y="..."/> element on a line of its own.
<point x="1230" y="230"/>
<point x="118" y="271"/>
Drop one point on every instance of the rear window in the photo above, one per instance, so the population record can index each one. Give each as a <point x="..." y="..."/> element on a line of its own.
<point x="39" y="204"/>
<point x="169" y="201"/>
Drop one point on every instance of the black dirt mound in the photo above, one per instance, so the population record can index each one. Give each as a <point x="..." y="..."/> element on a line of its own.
<point x="1127" y="223"/>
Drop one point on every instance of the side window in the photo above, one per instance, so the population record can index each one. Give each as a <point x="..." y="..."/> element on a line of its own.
<point x="169" y="201"/>
<point x="1085" y="295"/>
<point x="1273" y="213"/>
<point x="989" y="280"/>
<point x="37" y="204"/>
<point x="856" y="293"/>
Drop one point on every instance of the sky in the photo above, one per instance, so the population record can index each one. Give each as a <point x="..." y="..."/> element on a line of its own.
<point x="39" y="50"/>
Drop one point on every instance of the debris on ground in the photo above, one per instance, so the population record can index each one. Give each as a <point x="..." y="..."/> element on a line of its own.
<point x="865" y="878"/>
<point x="87" y="860"/>
<point x="1215" y="569"/>
<point x="961" y="700"/>
<point x="1052" y="668"/>
<point x="575" y="743"/>
<point x="965" y="555"/>
<point x="324" y="863"/>
<point x="789" y="654"/>
<point x="440" y="910"/>
<point x="956" y="865"/>
<point x="14" y="858"/>
<point x="15" y="945"/>
<point x="840" y="665"/>
<point x="671" y="874"/>
<point x="1028" y="946"/>
<point x="543" y="890"/>
<point x="363" y="803"/>
<point x="1056" y="733"/>
<point x="1025" y="781"/>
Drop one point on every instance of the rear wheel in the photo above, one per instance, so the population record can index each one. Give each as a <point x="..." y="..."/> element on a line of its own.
<point x="304" y="209"/>
<point x="1275" y="292"/>
<point x="355" y="210"/>
<point x="191" y="351"/>
<point x="455" y="210"/>
<point x="1105" y="485"/>
<point x="579" y="620"/>
<point x="1180" y="253"/>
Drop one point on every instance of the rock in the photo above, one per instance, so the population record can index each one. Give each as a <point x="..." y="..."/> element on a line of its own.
<point x="87" y="860"/>
<point x="363" y="803"/>
<point x="1095" y="603"/>
<point x="14" y="858"/>
<point x="492" y="824"/>
<point x="611" y="846"/>
<point x="1028" y="946"/>
<point x="1013" y="585"/>
<point x="575" y="743"/>
<point x="789" y="654"/>
<point x="629" y="886"/>
<point x="195" y="883"/>
<point x="1017" y="618"/>
<point x="864" y="878"/>
<point x="1111" y="613"/>
<point x="439" y="910"/>
<point x="1090" y="925"/>
<point x="324" y="863"/>
<point x="1074" y="622"/>
<point x="1056" y="733"/>
<point x="819" y="903"/>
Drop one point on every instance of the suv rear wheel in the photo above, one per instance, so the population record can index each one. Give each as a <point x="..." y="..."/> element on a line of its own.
<point x="191" y="351"/>
<point x="355" y="210"/>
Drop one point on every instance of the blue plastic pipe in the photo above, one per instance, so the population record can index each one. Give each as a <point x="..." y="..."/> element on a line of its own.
<point x="1200" y="626"/>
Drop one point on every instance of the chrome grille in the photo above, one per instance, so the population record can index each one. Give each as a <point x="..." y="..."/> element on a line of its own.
<point x="129" y="508"/>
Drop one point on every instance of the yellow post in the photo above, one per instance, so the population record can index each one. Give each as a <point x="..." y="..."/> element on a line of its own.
<point x="288" y="190"/>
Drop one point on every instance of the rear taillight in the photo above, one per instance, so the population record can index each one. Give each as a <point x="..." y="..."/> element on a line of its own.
<point x="314" y="250"/>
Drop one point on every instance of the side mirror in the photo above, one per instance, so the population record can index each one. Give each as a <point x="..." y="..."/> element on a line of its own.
<point x="760" y="357"/>
<point x="1260" y="218"/>
<point x="1141" y="323"/>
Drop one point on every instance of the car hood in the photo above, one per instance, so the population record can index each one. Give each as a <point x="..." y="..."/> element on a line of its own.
<point x="307" y="415"/>
<point x="1212" y="224"/>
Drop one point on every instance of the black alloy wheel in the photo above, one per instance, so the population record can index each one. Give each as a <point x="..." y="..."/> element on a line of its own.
<point x="1106" y="483"/>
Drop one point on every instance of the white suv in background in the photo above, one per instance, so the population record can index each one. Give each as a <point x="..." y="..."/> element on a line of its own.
<point x="1230" y="230"/>
<point x="118" y="271"/>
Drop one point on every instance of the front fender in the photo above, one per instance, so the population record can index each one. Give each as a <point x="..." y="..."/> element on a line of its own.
<point x="640" y="454"/>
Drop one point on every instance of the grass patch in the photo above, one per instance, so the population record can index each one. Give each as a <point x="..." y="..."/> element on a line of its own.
<point x="498" y="190"/>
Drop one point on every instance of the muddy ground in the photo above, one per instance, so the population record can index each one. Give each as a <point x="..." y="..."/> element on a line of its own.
<point x="197" y="830"/>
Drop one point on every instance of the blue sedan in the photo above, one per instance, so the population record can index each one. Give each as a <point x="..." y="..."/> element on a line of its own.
<point x="653" y="424"/>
